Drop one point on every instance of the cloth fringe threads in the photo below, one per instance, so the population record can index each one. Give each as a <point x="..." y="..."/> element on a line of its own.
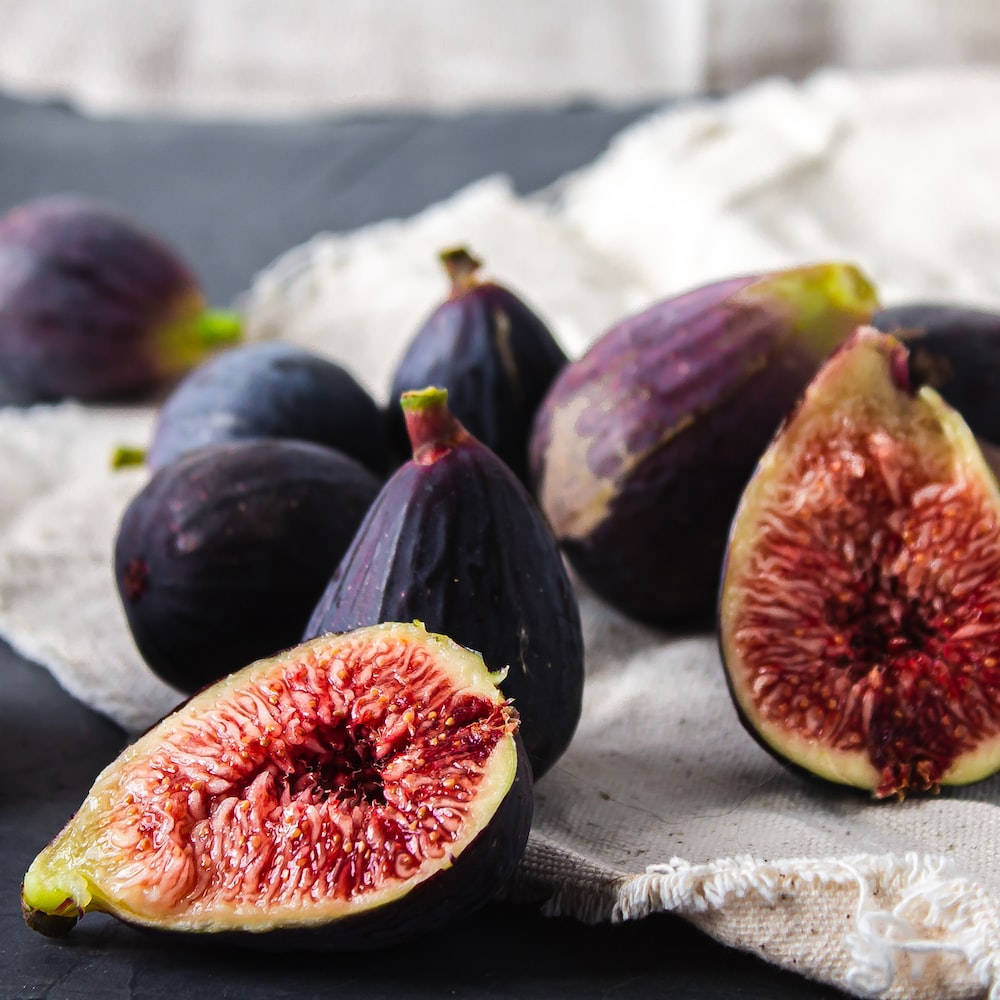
<point x="932" y="899"/>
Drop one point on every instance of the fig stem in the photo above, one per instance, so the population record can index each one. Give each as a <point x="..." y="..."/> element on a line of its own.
<point x="126" y="455"/>
<point x="461" y="266"/>
<point x="432" y="427"/>
<point x="216" y="327"/>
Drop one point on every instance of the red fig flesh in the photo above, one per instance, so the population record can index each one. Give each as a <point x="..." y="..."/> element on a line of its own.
<point x="860" y="607"/>
<point x="340" y="787"/>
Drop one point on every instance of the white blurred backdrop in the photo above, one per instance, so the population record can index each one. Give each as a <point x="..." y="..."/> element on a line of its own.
<point x="267" y="57"/>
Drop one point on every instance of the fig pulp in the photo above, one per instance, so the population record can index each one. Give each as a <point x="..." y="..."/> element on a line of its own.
<point x="957" y="351"/>
<point x="93" y="307"/>
<point x="495" y="357"/>
<point x="270" y="390"/>
<point x="860" y="604"/>
<point x="642" y="447"/>
<point x="222" y="556"/>
<point x="454" y="540"/>
<point x="355" y="789"/>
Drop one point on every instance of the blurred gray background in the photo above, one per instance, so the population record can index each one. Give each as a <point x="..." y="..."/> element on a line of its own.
<point x="289" y="57"/>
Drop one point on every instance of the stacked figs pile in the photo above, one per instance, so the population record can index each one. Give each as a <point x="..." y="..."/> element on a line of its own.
<point x="375" y="777"/>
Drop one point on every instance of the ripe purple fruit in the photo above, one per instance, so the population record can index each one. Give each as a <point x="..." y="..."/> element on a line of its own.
<point x="95" y="308"/>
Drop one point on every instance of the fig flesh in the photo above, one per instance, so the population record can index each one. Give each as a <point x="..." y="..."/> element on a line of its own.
<point x="348" y="792"/>
<point x="455" y="540"/>
<point x="957" y="351"/>
<point x="642" y="447"/>
<point x="493" y="354"/>
<point x="95" y="308"/>
<point x="270" y="390"/>
<point x="860" y="602"/>
<point x="221" y="557"/>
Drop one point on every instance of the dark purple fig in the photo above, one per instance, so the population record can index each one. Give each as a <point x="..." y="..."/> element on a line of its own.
<point x="347" y="793"/>
<point x="642" y="447"/>
<point x="455" y="541"/>
<point x="270" y="390"/>
<point x="223" y="555"/>
<point x="495" y="357"/>
<point x="860" y="602"/>
<point x="95" y="308"/>
<point x="957" y="351"/>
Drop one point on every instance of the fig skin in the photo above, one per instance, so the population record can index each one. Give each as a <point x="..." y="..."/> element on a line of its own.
<point x="956" y="350"/>
<point x="454" y="540"/>
<point x="94" y="308"/>
<point x="493" y="354"/>
<point x="641" y="448"/>
<point x="471" y="878"/>
<point x="269" y="390"/>
<point x="221" y="557"/>
<point x="874" y="369"/>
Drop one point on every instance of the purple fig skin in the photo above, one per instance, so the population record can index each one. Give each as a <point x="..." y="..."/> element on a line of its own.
<point x="455" y="541"/>
<point x="642" y="448"/>
<point x="221" y="557"/>
<point x="92" y="307"/>
<point x="270" y="389"/>
<point x="956" y="350"/>
<point x="493" y="354"/>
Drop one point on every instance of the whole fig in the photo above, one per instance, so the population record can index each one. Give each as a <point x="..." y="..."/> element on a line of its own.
<point x="495" y="357"/>
<point x="95" y="308"/>
<point x="224" y="553"/>
<point x="642" y="447"/>
<point x="455" y="541"/>
<point x="270" y="390"/>
<point x="957" y="351"/>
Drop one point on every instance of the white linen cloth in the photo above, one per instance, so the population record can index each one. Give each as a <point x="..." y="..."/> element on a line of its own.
<point x="662" y="802"/>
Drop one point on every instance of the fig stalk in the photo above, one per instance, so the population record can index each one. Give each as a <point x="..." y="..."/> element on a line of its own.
<point x="431" y="426"/>
<point x="462" y="268"/>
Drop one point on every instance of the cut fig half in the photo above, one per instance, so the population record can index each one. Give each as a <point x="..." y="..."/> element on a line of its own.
<point x="354" y="789"/>
<point x="860" y="602"/>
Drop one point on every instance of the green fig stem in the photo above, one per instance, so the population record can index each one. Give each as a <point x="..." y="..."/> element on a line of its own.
<point x="216" y="327"/>
<point x="126" y="455"/>
<point x="432" y="427"/>
<point x="461" y="267"/>
<point x="194" y="332"/>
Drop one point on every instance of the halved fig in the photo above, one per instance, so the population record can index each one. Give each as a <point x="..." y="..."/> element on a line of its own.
<point x="353" y="789"/>
<point x="860" y="603"/>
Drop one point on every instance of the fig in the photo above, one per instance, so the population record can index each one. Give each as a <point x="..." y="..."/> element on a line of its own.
<point x="270" y="390"/>
<point x="957" y="351"/>
<point x="455" y="540"/>
<point x="860" y="601"/>
<point x="346" y="793"/>
<point x="641" y="448"/>
<point x="221" y="557"/>
<point x="495" y="357"/>
<point x="95" y="308"/>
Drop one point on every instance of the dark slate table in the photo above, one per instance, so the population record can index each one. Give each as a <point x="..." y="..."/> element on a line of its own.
<point x="231" y="197"/>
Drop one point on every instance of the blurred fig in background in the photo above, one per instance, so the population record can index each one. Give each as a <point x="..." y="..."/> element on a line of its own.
<point x="94" y="308"/>
<point x="957" y="351"/>
<point x="272" y="390"/>
<point x="495" y="357"/>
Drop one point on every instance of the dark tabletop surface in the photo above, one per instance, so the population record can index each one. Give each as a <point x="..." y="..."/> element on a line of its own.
<point x="231" y="197"/>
